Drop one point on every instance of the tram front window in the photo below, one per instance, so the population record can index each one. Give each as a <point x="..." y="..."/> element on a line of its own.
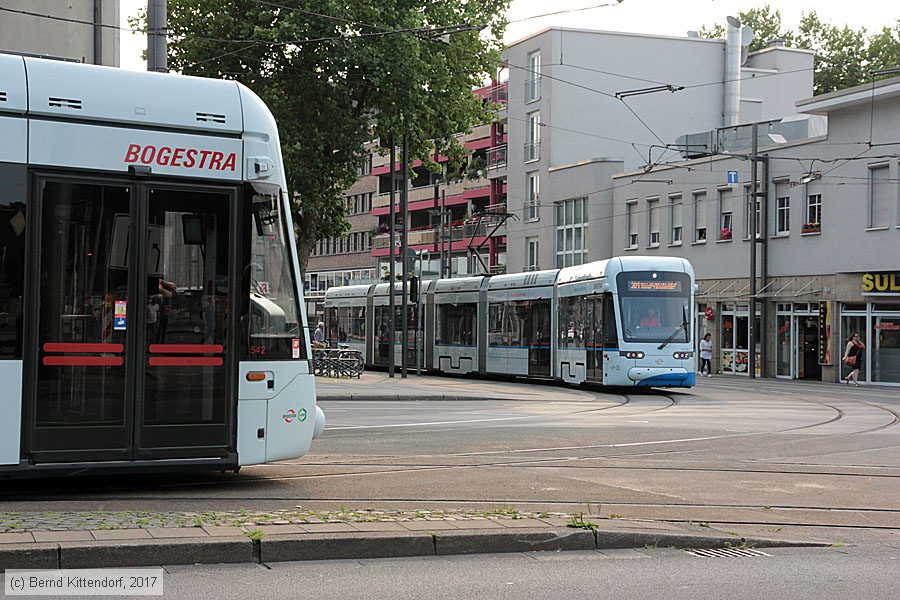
<point x="655" y="307"/>
<point x="274" y="313"/>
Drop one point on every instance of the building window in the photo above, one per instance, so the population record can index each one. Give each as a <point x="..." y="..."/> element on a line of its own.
<point x="726" y="213"/>
<point x="813" y="213"/>
<point x="533" y="136"/>
<point x="783" y="208"/>
<point x="748" y="200"/>
<point x="700" y="216"/>
<point x="631" y="224"/>
<point x="675" y="212"/>
<point x="533" y="77"/>
<point x="571" y="232"/>
<point x="531" y="253"/>
<point x="653" y="221"/>
<point x="880" y="192"/>
<point x="532" y="195"/>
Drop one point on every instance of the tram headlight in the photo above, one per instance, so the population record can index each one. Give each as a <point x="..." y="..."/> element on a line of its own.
<point x="636" y="354"/>
<point x="683" y="355"/>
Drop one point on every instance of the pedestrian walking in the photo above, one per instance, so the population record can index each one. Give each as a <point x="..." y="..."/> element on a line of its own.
<point x="853" y="357"/>
<point x="706" y="348"/>
<point x="319" y="336"/>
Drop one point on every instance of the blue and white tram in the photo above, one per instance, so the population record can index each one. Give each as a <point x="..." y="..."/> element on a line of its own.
<point x="626" y="321"/>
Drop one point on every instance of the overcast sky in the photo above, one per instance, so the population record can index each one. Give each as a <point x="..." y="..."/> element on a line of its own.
<point x="662" y="17"/>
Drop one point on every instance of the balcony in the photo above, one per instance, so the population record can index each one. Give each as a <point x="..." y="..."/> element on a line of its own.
<point x="421" y="193"/>
<point x="414" y="238"/>
<point x="496" y="161"/>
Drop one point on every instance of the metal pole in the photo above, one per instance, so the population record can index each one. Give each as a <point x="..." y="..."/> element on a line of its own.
<point x="404" y="197"/>
<point x="98" y="32"/>
<point x="392" y="274"/>
<point x="445" y="216"/>
<point x="754" y="191"/>
<point x="764" y="264"/>
<point x="157" y="22"/>
<point x="443" y="243"/>
<point x="420" y="326"/>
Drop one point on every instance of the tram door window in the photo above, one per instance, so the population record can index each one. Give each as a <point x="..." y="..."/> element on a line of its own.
<point x="12" y="259"/>
<point x="131" y="362"/>
<point x="187" y="310"/>
<point x="81" y="401"/>
<point x="537" y="329"/>
<point x="596" y="343"/>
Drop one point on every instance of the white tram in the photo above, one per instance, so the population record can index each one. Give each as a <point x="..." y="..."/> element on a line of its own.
<point x="150" y="312"/>
<point x="626" y="321"/>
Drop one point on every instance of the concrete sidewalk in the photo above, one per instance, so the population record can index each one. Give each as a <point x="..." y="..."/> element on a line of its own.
<point x="425" y="536"/>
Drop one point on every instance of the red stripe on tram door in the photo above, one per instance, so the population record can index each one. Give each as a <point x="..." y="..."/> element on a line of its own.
<point x="186" y="348"/>
<point x="69" y="347"/>
<point x="185" y="361"/>
<point x="93" y="361"/>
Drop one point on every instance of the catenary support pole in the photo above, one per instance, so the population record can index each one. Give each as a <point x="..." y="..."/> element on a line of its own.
<point x="157" y="22"/>
<point x="404" y="295"/>
<point x="391" y="265"/>
<point x="754" y="199"/>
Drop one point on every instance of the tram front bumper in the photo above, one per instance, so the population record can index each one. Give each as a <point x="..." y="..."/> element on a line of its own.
<point x="661" y="376"/>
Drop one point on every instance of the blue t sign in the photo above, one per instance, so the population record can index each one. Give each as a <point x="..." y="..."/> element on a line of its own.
<point x="732" y="176"/>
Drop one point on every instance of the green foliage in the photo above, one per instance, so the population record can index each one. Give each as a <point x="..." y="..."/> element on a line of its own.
<point x="844" y="56"/>
<point x="577" y="521"/>
<point x="336" y="74"/>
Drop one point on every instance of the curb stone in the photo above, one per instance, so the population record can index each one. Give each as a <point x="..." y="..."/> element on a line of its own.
<point x="320" y="546"/>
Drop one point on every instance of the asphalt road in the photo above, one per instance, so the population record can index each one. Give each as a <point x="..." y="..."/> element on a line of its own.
<point x="761" y="455"/>
<point x="672" y="574"/>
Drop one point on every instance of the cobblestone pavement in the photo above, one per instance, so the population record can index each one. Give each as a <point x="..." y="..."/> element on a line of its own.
<point x="22" y="522"/>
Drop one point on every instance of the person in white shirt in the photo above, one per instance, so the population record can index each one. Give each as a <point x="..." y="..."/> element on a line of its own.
<point x="706" y="354"/>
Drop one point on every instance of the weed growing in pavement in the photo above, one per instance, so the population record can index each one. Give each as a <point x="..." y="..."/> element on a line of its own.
<point x="255" y="535"/>
<point x="703" y="524"/>
<point x="615" y="516"/>
<point x="578" y="522"/>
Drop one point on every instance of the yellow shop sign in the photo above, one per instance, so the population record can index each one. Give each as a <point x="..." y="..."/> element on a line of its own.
<point x="881" y="283"/>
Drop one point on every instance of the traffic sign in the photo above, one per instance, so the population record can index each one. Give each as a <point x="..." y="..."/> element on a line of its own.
<point x="732" y="176"/>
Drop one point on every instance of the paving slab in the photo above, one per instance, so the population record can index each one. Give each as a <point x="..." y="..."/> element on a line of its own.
<point x="523" y="523"/>
<point x="16" y="538"/>
<point x="431" y="525"/>
<point x="62" y="536"/>
<point x="177" y="532"/>
<point x="328" y="528"/>
<point x="224" y="531"/>
<point x="379" y="526"/>
<point x="121" y="534"/>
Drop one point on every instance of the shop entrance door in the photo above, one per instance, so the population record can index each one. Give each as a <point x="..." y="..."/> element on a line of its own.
<point x="807" y="360"/>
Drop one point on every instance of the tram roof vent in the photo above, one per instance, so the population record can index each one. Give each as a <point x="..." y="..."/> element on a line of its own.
<point x="2" y="96"/>
<point x="64" y="103"/>
<point x="210" y="117"/>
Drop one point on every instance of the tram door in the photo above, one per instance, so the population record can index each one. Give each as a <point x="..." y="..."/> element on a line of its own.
<point x="594" y="343"/>
<point x="132" y="351"/>
<point x="538" y="330"/>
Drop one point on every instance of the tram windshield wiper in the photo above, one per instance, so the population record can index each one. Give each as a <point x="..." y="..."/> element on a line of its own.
<point x="684" y="325"/>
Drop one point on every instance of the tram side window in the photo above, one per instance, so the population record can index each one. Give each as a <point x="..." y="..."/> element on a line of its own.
<point x="345" y="324"/>
<point x="12" y="259"/>
<point x="574" y="322"/>
<point x="456" y="324"/>
<point x="275" y="318"/>
<point x="610" y="331"/>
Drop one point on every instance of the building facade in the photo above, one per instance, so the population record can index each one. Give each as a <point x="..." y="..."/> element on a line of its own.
<point x="458" y="215"/>
<point x="828" y="241"/>
<point x="586" y="104"/>
<point x="80" y="30"/>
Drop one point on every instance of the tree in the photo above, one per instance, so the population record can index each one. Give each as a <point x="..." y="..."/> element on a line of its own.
<point x="844" y="57"/>
<point x="338" y="73"/>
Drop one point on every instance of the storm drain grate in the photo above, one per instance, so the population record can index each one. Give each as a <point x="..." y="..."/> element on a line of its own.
<point x="725" y="552"/>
